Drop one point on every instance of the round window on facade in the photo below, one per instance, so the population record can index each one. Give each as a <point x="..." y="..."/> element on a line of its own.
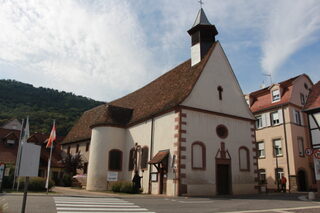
<point x="222" y="131"/>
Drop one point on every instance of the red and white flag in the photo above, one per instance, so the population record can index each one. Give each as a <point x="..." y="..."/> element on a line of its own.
<point x="52" y="136"/>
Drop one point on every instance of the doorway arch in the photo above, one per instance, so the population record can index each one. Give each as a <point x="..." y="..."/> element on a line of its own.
<point x="302" y="180"/>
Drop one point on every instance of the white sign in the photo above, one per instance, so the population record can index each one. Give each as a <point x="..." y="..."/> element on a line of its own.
<point x="317" y="168"/>
<point x="112" y="176"/>
<point x="30" y="158"/>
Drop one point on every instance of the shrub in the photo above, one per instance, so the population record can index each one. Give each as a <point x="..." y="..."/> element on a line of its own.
<point x="116" y="187"/>
<point x="126" y="187"/>
<point x="67" y="180"/>
<point x="123" y="186"/>
<point x="36" y="184"/>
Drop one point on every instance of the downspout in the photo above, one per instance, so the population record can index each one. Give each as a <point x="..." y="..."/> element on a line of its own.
<point x="151" y="153"/>
<point x="286" y="143"/>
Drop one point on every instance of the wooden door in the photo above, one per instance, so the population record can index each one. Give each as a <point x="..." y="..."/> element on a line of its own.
<point x="223" y="179"/>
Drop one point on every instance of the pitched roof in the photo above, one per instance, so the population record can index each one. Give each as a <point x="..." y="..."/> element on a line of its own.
<point x="313" y="101"/>
<point x="162" y="94"/>
<point x="262" y="98"/>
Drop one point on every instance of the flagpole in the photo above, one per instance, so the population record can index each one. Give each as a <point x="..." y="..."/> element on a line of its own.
<point x="49" y="161"/>
<point x="24" y="139"/>
<point x="18" y="157"/>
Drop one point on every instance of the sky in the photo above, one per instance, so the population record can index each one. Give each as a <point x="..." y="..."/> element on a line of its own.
<point x="105" y="49"/>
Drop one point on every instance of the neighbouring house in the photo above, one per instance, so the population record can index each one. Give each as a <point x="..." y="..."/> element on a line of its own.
<point x="189" y="131"/>
<point x="14" y="124"/>
<point x="282" y="133"/>
<point x="9" y="142"/>
<point x="312" y="108"/>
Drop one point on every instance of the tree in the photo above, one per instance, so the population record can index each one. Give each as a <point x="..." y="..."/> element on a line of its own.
<point x="72" y="163"/>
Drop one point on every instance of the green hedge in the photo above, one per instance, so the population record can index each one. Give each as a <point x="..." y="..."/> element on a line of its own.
<point x="36" y="184"/>
<point x="123" y="186"/>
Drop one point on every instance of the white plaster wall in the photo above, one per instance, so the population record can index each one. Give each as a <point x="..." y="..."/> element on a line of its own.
<point x="195" y="54"/>
<point x="218" y="72"/>
<point x="202" y="127"/>
<point x="164" y="130"/>
<point x="141" y="134"/>
<point x="103" y="139"/>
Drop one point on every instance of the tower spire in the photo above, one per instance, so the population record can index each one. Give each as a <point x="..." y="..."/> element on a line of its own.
<point x="202" y="35"/>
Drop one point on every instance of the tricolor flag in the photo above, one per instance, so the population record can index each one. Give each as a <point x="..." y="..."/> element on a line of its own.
<point x="52" y="136"/>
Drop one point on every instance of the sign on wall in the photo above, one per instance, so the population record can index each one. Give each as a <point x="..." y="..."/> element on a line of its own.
<point x="112" y="176"/>
<point x="308" y="151"/>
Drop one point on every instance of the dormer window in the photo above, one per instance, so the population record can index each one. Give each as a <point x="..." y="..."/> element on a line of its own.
<point x="275" y="95"/>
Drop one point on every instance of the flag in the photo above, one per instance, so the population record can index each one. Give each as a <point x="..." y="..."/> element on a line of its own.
<point x="52" y="136"/>
<point x="49" y="144"/>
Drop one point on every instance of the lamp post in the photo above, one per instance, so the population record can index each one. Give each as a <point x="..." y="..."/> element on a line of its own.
<point x="277" y="166"/>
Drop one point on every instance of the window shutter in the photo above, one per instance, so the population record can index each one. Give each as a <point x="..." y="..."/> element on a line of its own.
<point x="294" y="116"/>
<point x="263" y="119"/>
<point x="301" y="118"/>
<point x="267" y="115"/>
<point x="280" y="116"/>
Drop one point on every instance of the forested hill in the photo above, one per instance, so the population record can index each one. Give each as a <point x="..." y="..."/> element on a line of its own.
<point x="42" y="105"/>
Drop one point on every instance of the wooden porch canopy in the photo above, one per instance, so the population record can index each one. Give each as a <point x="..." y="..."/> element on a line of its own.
<point x="160" y="157"/>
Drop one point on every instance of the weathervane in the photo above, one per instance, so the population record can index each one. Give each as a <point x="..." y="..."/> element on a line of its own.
<point x="201" y="3"/>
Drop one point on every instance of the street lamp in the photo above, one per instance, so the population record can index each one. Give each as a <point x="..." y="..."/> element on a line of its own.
<point x="276" y="148"/>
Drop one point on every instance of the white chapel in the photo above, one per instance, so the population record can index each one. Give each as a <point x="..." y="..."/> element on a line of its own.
<point x="188" y="132"/>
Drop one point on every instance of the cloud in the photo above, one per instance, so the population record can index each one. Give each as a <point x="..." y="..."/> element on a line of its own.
<point x="91" y="48"/>
<point x="290" y="27"/>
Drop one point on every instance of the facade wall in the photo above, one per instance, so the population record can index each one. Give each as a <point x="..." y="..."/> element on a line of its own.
<point x="103" y="139"/>
<point x="73" y="150"/>
<point x="202" y="127"/>
<point x="205" y="94"/>
<point x="140" y="134"/>
<point x="164" y="138"/>
<point x="297" y="161"/>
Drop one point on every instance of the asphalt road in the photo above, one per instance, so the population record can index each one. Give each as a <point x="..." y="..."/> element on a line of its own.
<point x="78" y="202"/>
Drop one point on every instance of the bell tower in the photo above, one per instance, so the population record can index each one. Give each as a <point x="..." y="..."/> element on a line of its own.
<point x="202" y="37"/>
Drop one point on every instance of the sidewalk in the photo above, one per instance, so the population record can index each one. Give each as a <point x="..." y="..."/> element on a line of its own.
<point x="60" y="191"/>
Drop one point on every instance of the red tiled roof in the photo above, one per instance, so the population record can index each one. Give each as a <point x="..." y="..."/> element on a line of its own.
<point x="313" y="100"/>
<point x="262" y="98"/>
<point x="8" y="154"/>
<point x="162" y="94"/>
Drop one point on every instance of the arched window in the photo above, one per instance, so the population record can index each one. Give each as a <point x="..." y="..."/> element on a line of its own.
<point x="144" y="157"/>
<point x="198" y="155"/>
<point x="115" y="160"/>
<point x="244" y="162"/>
<point x="131" y="159"/>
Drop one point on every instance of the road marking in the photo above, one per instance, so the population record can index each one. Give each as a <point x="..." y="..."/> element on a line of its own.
<point x="276" y="210"/>
<point x="99" y="209"/>
<point x="84" y="205"/>
<point x="106" y="212"/>
<point x="194" y="202"/>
